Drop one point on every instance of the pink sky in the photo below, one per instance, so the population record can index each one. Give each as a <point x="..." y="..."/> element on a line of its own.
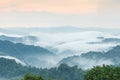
<point x="106" y="9"/>
<point x="60" y="6"/>
<point x="54" y="6"/>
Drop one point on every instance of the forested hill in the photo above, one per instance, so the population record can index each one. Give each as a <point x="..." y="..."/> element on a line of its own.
<point x="9" y="69"/>
<point x="90" y="59"/>
<point x="29" y="54"/>
<point x="8" y="47"/>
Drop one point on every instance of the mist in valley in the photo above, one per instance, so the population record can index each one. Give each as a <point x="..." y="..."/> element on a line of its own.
<point x="63" y="45"/>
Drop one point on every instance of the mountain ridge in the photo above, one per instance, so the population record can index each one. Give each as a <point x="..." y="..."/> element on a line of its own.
<point x="29" y="54"/>
<point x="92" y="58"/>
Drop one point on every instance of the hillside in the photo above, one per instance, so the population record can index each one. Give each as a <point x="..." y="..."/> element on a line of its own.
<point x="11" y="70"/>
<point x="30" y="54"/>
<point x="90" y="59"/>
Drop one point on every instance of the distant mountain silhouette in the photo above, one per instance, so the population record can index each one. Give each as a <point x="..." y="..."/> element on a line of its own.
<point x="31" y="39"/>
<point x="8" y="47"/>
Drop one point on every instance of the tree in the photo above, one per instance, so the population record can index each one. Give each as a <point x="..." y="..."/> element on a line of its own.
<point x="32" y="77"/>
<point x="103" y="73"/>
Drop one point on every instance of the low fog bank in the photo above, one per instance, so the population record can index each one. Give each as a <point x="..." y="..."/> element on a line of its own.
<point x="65" y="44"/>
<point x="86" y="63"/>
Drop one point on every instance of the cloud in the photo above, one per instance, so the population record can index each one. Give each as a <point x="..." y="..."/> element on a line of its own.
<point x="98" y="13"/>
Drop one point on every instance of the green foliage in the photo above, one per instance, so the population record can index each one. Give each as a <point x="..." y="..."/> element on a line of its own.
<point x="65" y="72"/>
<point x="103" y="73"/>
<point x="32" y="77"/>
<point x="10" y="69"/>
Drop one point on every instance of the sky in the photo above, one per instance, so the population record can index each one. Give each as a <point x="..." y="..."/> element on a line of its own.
<point x="56" y="13"/>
